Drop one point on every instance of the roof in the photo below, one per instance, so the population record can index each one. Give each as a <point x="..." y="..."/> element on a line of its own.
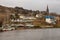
<point x="49" y="17"/>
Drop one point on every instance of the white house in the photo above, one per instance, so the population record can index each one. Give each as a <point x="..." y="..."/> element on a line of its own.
<point x="29" y="25"/>
<point x="39" y="15"/>
<point x="27" y="17"/>
<point x="50" y="19"/>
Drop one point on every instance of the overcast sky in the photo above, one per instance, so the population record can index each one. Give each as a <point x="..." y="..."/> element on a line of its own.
<point x="54" y="5"/>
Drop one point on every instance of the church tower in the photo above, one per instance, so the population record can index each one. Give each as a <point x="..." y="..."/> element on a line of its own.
<point x="47" y="10"/>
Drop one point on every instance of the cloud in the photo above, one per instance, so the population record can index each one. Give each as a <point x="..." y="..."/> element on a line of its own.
<point x="33" y="4"/>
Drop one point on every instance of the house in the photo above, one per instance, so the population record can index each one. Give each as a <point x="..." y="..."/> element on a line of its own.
<point x="39" y="15"/>
<point x="27" y="17"/>
<point x="50" y="19"/>
<point x="29" y="25"/>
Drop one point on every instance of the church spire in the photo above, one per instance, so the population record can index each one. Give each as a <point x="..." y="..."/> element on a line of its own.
<point x="47" y="10"/>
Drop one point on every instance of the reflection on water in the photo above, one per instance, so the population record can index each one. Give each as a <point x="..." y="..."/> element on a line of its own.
<point x="31" y="34"/>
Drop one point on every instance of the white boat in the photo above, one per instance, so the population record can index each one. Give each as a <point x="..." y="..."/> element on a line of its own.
<point x="8" y="29"/>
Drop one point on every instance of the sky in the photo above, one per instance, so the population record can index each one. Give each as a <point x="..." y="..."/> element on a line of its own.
<point x="54" y="5"/>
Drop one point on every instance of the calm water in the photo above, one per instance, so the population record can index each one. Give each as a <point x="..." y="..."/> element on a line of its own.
<point x="31" y="34"/>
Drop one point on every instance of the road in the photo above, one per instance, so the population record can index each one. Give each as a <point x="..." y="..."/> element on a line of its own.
<point x="31" y="34"/>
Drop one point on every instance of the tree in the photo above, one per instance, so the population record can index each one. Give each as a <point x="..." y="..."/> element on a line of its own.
<point x="12" y="17"/>
<point x="1" y="22"/>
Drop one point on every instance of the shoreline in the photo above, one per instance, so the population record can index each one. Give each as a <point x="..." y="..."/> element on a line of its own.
<point x="35" y="28"/>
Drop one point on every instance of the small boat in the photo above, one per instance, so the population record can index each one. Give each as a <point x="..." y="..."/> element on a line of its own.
<point x="8" y="29"/>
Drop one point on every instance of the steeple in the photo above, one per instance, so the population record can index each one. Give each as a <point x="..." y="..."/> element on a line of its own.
<point x="47" y="10"/>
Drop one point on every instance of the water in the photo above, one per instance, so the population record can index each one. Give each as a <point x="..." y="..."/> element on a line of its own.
<point x="31" y="34"/>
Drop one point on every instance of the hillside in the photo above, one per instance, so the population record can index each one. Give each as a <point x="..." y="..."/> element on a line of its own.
<point x="6" y="12"/>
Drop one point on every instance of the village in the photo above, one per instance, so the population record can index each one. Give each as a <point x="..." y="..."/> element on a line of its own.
<point x="18" y="17"/>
